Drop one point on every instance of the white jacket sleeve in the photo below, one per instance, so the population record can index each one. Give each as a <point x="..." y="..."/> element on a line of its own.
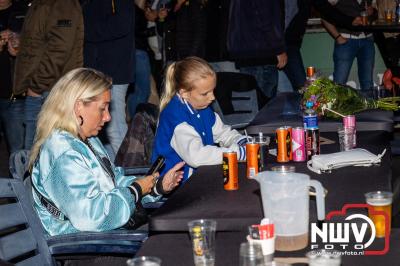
<point x="225" y="136"/>
<point x="188" y="145"/>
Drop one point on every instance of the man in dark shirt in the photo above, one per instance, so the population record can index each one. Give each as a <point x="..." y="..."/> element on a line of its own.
<point x="11" y="108"/>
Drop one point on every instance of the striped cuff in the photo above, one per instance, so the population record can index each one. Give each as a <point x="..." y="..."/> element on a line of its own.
<point x="242" y="141"/>
<point x="242" y="153"/>
<point x="136" y="191"/>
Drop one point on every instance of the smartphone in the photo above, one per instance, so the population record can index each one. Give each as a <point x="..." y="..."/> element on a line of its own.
<point x="156" y="166"/>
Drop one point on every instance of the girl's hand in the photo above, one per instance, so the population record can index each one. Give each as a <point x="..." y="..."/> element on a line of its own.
<point x="173" y="177"/>
<point x="147" y="183"/>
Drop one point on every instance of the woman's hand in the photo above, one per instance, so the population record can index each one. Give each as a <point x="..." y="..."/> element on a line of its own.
<point x="147" y="183"/>
<point x="172" y="178"/>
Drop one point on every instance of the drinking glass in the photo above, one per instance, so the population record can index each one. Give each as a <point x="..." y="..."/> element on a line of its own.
<point x="202" y="233"/>
<point x="380" y="201"/>
<point x="346" y="138"/>
<point x="144" y="261"/>
<point x="388" y="15"/>
<point x="251" y="254"/>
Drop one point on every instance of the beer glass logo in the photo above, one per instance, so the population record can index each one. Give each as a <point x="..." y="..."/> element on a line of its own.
<point x="355" y="234"/>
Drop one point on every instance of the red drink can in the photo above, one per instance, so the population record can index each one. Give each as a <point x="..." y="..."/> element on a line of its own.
<point x="252" y="157"/>
<point x="230" y="170"/>
<point x="298" y="144"/>
<point x="350" y="121"/>
<point x="312" y="142"/>
<point x="283" y="145"/>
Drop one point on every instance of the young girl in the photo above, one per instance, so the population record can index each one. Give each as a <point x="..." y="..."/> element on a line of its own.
<point x="188" y="128"/>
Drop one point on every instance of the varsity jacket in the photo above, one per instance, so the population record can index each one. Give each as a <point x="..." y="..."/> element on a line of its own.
<point x="70" y="175"/>
<point x="190" y="135"/>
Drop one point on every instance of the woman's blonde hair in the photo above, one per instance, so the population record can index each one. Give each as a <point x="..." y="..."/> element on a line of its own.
<point x="182" y="75"/>
<point x="57" y="112"/>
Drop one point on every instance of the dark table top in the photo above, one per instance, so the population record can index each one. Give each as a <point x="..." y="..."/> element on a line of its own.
<point x="203" y="196"/>
<point x="176" y="250"/>
<point x="284" y="110"/>
<point x="380" y="26"/>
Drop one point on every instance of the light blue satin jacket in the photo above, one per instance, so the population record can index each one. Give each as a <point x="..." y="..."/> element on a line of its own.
<point x="69" y="174"/>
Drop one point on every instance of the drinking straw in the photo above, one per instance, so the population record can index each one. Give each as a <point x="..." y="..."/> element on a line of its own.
<point x="247" y="136"/>
<point x="326" y="108"/>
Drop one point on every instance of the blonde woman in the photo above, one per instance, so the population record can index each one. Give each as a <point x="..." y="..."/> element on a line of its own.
<point x="75" y="186"/>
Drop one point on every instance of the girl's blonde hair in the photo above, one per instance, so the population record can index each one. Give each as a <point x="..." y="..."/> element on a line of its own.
<point x="57" y="112"/>
<point x="182" y="75"/>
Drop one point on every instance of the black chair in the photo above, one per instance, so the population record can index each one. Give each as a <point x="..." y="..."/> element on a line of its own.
<point x="237" y="98"/>
<point x="22" y="240"/>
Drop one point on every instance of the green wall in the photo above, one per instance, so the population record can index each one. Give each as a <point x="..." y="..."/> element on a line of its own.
<point x="317" y="51"/>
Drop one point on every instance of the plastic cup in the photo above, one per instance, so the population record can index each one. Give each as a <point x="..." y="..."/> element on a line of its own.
<point x="364" y="18"/>
<point x="251" y="254"/>
<point x="267" y="247"/>
<point x="202" y="234"/>
<point x="380" y="201"/>
<point x="144" y="261"/>
<point x="346" y="138"/>
<point x="322" y="257"/>
<point x="388" y="15"/>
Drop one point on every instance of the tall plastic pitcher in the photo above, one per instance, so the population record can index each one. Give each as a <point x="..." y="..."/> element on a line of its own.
<point x="285" y="198"/>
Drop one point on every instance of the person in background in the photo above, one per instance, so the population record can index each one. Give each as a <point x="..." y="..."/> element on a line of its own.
<point x="110" y="48"/>
<point x="70" y="169"/>
<point x="11" y="107"/>
<point x="188" y="127"/>
<point x="264" y="67"/>
<point x="141" y="91"/>
<point x="216" y="37"/>
<point x="350" y="45"/>
<point x="296" y="16"/>
<point x="51" y="44"/>
<point x="184" y="29"/>
<point x="388" y="43"/>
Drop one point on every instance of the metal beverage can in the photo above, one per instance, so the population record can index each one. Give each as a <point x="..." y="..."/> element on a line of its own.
<point x="298" y="144"/>
<point x="350" y="121"/>
<point x="312" y="142"/>
<point x="253" y="158"/>
<point x="264" y="151"/>
<point x="310" y="71"/>
<point x="290" y="152"/>
<point x="230" y="170"/>
<point x="283" y="145"/>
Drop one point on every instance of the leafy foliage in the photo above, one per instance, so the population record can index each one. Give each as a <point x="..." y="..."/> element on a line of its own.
<point x="343" y="99"/>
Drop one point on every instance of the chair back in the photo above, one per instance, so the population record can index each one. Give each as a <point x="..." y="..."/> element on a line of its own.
<point x="18" y="163"/>
<point x="22" y="240"/>
<point x="245" y="108"/>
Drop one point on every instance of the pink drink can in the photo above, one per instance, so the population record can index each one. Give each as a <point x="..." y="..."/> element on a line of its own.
<point x="350" y="121"/>
<point x="298" y="144"/>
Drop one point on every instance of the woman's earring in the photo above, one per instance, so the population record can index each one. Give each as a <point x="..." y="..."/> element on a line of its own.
<point x="81" y="118"/>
